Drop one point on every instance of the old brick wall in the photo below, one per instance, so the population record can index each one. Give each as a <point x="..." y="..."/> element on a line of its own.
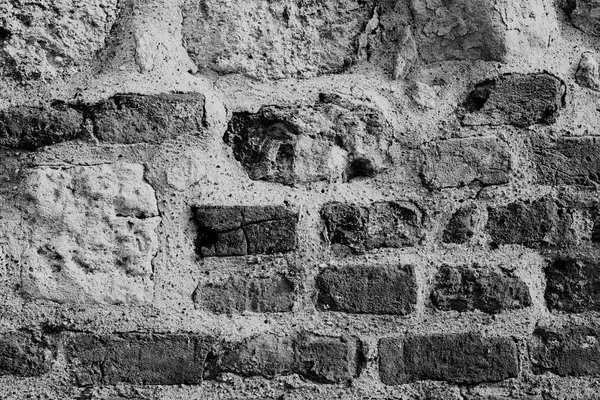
<point x="299" y="199"/>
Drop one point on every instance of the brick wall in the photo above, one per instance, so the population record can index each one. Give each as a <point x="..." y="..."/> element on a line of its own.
<point x="209" y="199"/>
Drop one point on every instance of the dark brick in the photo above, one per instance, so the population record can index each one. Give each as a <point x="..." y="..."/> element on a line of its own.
<point x="461" y="162"/>
<point x="244" y="293"/>
<point x="133" y="118"/>
<point x="243" y="230"/>
<point x="33" y="127"/>
<point x="384" y="224"/>
<point x="317" y="358"/>
<point x="457" y="358"/>
<point x="542" y="222"/>
<point x="584" y="15"/>
<point x="377" y="289"/>
<point x="467" y="289"/>
<point x="567" y="351"/>
<point x="568" y="160"/>
<point x="141" y="359"/>
<point x="516" y="99"/>
<point x="573" y="284"/>
<point x="23" y="355"/>
<point x="462" y="225"/>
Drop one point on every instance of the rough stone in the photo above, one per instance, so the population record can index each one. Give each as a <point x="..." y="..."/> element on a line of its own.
<point x="540" y="223"/>
<point x="47" y="38"/>
<point x="323" y="359"/>
<point x="355" y="228"/>
<point x="514" y="99"/>
<point x="141" y="359"/>
<point x="457" y="358"/>
<point x="244" y="230"/>
<point x="133" y="118"/>
<point x="91" y="233"/>
<point x="588" y="74"/>
<point x="479" y="29"/>
<point x="264" y="39"/>
<point x="584" y="15"/>
<point x="23" y="355"/>
<point x="461" y="162"/>
<point x="335" y="139"/>
<point x="573" y="284"/>
<point x="33" y="127"/>
<point x="376" y="289"/>
<point x="239" y="293"/>
<point x="475" y="288"/>
<point x="567" y="160"/>
<point x="568" y="351"/>
<point x="462" y="225"/>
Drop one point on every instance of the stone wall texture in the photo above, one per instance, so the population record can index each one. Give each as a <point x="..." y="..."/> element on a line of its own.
<point x="299" y="199"/>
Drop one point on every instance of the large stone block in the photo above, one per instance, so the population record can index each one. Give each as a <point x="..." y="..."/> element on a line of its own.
<point x="567" y="351"/>
<point x="467" y="288"/>
<point x="567" y="160"/>
<point x="457" y="358"/>
<point x="46" y="38"/>
<point x="333" y="140"/>
<point x="461" y="162"/>
<point x="91" y="233"/>
<point x="377" y="289"/>
<point x="244" y="230"/>
<point x="266" y="39"/>
<point x="514" y="99"/>
<point x="357" y="229"/>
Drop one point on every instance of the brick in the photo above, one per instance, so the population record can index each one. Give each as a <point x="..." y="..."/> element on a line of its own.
<point x="333" y="139"/>
<point x="587" y="74"/>
<point x="567" y="160"/>
<point x="377" y="289"/>
<point x="573" y="284"/>
<point x="358" y="229"/>
<point x="133" y="118"/>
<point x="238" y="293"/>
<point x="567" y="351"/>
<point x="264" y="40"/>
<point x="245" y="230"/>
<point x="461" y="162"/>
<point x="474" y="288"/>
<point x="584" y="15"/>
<point x="514" y="99"/>
<point x="462" y="225"/>
<point x="23" y="355"/>
<point x="140" y="359"/>
<point x="457" y="358"/>
<point x="539" y="223"/>
<point x="33" y="127"/>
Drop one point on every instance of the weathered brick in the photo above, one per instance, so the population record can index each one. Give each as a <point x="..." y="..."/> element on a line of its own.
<point x="462" y="225"/>
<point x="329" y="359"/>
<point x="568" y="351"/>
<point x="588" y="72"/>
<point x="460" y="162"/>
<point x="358" y="229"/>
<point x="334" y="139"/>
<point x="584" y="15"/>
<point x="573" y="284"/>
<point x="458" y="358"/>
<point x="142" y="359"/>
<point x="262" y="39"/>
<point x="376" y="289"/>
<point x="568" y="160"/>
<point x="275" y="293"/>
<point x="23" y="355"/>
<point x="474" y="288"/>
<point x="33" y="127"/>
<point x="134" y="118"/>
<point x="516" y="99"/>
<point x="542" y="222"/>
<point x="243" y="230"/>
